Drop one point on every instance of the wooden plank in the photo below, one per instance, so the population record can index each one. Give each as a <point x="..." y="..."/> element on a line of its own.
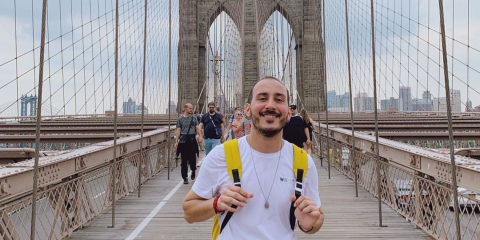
<point x="346" y="217"/>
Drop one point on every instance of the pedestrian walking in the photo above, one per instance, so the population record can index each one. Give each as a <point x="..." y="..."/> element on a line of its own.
<point x="186" y="141"/>
<point x="296" y="130"/>
<point x="310" y="125"/>
<point x="213" y="129"/>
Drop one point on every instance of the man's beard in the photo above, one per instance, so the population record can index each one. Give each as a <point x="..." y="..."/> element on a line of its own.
<point x="268" y="133"/>
<point x="211" y="111"/>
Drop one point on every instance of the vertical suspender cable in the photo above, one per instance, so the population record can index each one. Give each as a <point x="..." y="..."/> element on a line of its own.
<point x="169" y="83"/>
<point x="39" y="119"/>
<point x="143" y="99"/>
<point x="317" y="41"/>
<point x="243" y="54"/>
<point x="379" y="186"/>
<point x="450" y="125"/>
<point x="352" y="152"/>
<point x="325" y="87"/>
<point x="115" y="115"/>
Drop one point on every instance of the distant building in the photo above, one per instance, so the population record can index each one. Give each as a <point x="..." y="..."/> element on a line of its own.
<point x="172" y="108"/>
<point x="422" y="105"/>
<point x="139" y="109"/>
<point x="341" y="103"/>
<point x="405" y="99"/>
<point x="456" y="100"/>
<point x="129" y="107"/>
<point x="363" y="103"/>
<point x="468" y="107"/>
<point x="330" y="96"/>
<point x="477" y="109"/>
<point x="440" y="104"/>
<point x="388" y="104"/>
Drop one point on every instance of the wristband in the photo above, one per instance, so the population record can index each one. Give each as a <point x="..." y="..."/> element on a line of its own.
<point x="215" y="207"/>
<point x="303" y="230"/>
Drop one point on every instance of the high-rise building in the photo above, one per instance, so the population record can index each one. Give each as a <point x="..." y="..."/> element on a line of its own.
<point x="129" y="106"/>
<point x="330" y="96"/>
<point x="363" y="103"/>
<point x="456" y="99"/>
<point x="440" y="104"/>
<point x="405" y="99"/>
<point x="427" y="95"/>
<point x="389" y="104"/>
<point x="422" y="105"/>
<point x="469" y="107"/>
<point x="340" y="103"/>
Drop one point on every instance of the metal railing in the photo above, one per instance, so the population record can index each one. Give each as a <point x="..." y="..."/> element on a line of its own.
<point x="65" y="203"/>
<point x="423" y="199"/>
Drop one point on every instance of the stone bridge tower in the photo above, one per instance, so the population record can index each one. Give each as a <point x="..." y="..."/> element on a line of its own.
<point x="304" y="17"/>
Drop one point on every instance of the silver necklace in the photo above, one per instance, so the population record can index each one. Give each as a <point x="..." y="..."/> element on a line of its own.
<point x="266" y="205"/>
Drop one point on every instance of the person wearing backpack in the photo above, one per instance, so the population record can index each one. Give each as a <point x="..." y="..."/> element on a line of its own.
<point x="259" y="186"/>
<point x="212" y="126"/>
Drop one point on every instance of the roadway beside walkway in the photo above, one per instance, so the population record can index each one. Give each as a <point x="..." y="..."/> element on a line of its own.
<point x="158" y="215"/>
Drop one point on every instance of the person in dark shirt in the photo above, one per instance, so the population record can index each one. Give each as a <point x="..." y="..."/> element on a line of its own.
<point x="185" y="140"/>
<point x="212" y="125"/>
<point x="296" y="131"/>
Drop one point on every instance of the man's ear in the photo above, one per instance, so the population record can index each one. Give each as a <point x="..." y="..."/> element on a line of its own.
<point x="247" y="110"/>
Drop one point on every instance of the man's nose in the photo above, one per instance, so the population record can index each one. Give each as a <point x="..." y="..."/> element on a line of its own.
<point x="270" y="104"/>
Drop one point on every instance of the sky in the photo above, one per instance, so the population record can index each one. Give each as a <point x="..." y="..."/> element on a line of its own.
<point x="406" y="50"/>
<point x="407" y="47"/>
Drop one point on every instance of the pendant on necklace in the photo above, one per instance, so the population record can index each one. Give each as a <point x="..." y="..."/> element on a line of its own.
<point x="266" y="205"/>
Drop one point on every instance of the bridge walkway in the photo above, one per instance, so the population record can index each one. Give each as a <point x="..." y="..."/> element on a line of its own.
<point x="159" y="212"/>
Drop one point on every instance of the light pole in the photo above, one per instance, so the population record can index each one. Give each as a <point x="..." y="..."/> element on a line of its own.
<point x="216" y="73"/>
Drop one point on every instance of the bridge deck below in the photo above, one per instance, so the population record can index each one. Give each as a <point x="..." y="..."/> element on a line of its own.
<point x="346" y="217"/>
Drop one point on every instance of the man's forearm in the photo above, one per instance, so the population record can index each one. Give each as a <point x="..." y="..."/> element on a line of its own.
<point x="198" y="210"/>
<point x="177" y="134"/>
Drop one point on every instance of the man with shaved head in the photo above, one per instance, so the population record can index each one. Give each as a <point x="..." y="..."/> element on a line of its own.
<point x="186" y="140"/>
<point x="267" y="180"/>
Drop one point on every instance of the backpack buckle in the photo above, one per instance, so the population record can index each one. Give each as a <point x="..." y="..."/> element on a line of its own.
<point x="298" y="188"/>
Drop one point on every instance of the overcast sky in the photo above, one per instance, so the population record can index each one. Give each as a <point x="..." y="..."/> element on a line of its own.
<point x="403" y="54"/>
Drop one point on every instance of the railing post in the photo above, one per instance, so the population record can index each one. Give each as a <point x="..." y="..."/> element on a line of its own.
<point x="39" y="122"/>
<point x="352" y="152"/>
<point x="374" y="71"/>
<point x="115" y="115"/>
<point x="143" y="98"/>
<point x="450" y="125"/>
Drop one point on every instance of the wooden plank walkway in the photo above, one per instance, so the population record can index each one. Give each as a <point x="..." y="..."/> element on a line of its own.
<point x="346" y="217"/>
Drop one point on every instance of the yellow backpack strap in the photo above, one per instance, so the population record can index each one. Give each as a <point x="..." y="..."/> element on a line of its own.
<point x="300" y="168"/>
<point x="234" y="167"/>
<point x="300" y="161"/>
<point x="232" y="156"/>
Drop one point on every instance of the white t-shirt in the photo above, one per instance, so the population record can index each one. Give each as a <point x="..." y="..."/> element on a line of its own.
<point x="253" y="221"/>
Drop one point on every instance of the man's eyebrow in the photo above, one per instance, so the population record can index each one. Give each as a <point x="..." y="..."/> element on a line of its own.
<point x="276" y="94"/>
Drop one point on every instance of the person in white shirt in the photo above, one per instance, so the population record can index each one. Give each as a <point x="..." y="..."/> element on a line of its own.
<point x="268" y="181"/>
